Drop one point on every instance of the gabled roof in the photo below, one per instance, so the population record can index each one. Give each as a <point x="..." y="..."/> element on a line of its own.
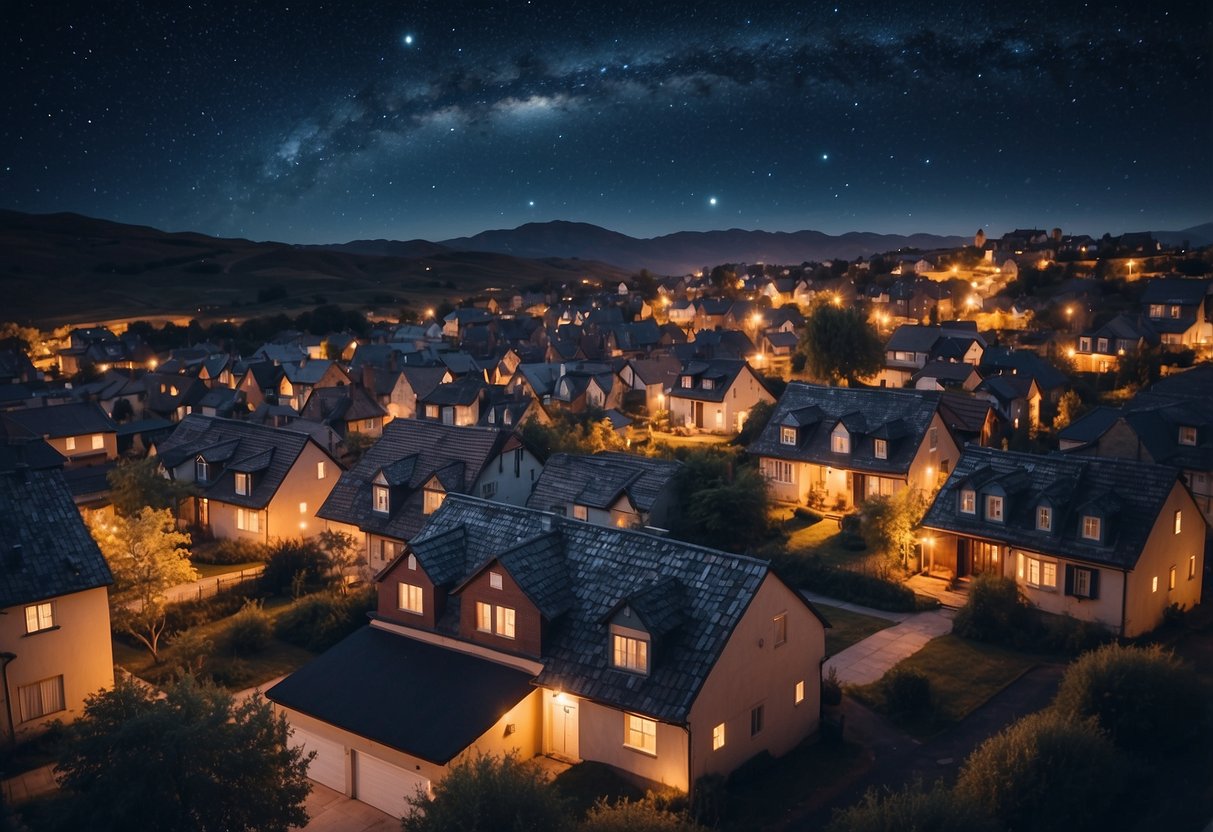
<point x="923" y="338"/>
<point x="1181" y="291"/>
<point x="1129" y="494"/>
<point x="1156" y="421"/>
<point x="657" y="370"/>
<point x="341" y="404"/>
<point x="721" y="371"/>
<point x="45" y="549"/>
<point x="964" y="414"/>
<point x="598" y="481"/>
<point x="423" y="448"/>
<point x="461" y="392"/>
<point x="60" y="420"/>
<point x="901" y="416"/>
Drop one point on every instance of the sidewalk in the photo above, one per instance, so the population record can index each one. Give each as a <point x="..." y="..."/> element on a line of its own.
<point x="28" y="785"/>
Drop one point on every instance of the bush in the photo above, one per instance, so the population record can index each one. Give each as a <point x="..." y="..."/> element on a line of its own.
<point x="317" y="622"/>
<point x="249" y="630"/>
<point x="710" y="799"/>
<point x="831" y="688"/>
<point x="230" y="551"/>
<point x="809" y="572"/>
<point x="914" y="808"/>
<point x="995" y="611"/>
<point x="636" y="816"/>
<point x="184" y="615"/>
<point x="295" y="565"/>
<point x="1067" y="634"/>
<point x="1046" y="772"/>
<point x="1147" y="701"/>
<point x="906" y="692"/>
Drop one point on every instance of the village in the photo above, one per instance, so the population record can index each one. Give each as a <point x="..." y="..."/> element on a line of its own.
<point x="740" y="543"/>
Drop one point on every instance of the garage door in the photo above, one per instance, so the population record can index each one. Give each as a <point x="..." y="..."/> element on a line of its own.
<point x="384" y="785"/>
<point x="328" y="766"/>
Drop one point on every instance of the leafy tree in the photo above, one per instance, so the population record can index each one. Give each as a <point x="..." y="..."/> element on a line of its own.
<point x="839" y="344"/>
<point x="147" y="555"/>
<point x="343" y="553"/>
<point x="489" y="794"/>
<point x="192" y="760"/>
<point x="1069" y="408"/>
<point x="1046" y="772"/>
<point x="138" y="484"/>
<point x="636" y="816"/>
<point x="572" y="433"/>
<point x="296" y="566"/>
<point x="755" y="423"/>
<point x="913" y="808"/>
<point x="889" y="522"/>
<point x="1148" y="701"/>
<point x="721" y="505"/>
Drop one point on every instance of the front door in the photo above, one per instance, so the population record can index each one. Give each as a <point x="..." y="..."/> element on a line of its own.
<point x="563" y="722"/>
<point x="698" y="408"/>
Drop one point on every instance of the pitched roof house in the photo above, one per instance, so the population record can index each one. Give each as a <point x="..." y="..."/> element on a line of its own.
<point x="1111" y="541"/>
<point x="507" y="629"/>
<point x="1178" y="309"/>
<point x="257" y="482"/>
<point x="406" y="475"/>
<point x="609" y="488"/>
<point x="835" y="446"/>
<point x="716" y="395"/>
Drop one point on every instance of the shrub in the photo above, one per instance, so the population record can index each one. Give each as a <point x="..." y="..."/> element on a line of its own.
<point x="906" y="692"/>
<point x="831" y="688"/>
<point x="710" y="799"/>
<point x="1067" y="634"/>
<point x="1046" y="772"/>
<point x="191" y="651"/>
<point x="1147" y="700"/>
<point x="295" y="564"/>
<point x="806" y="514"/>
<point x="231" y="551"/>
<point x="995" y="611"/>
<point x="250" y="630"/>
<point x="809" y="571"/>
<point x="914" y="808"/>
<point x="636" y="816"/>
<point x="317" y="622"/>
<point x="184" y="615"/>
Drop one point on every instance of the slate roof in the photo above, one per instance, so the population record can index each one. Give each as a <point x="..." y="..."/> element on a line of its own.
<point x="232" y="445"/>
<point x="341" y="404"/>
<point x="1156" y="421"/>
<point x="463" y="392"/>
<point x="1022" y="363"/>
<point x="814" y="410"/>
<point x="656" y="370"/>
<point x="423" y="449"/>
<point x="424" y="379"/>
<point x="598" y="481"/>
<point x="60" y="420"/>
<point x="922" y="338"/>
<point x="436" y="702"/>
<point x="1128" y="494"/>
<point x="45" y="549"/>
<point x="963" y="414"/>
<point x="946" y="372"/>
<point x="604" y="566"/>
<point x="721" y="371"/>
<point x="1181" y="291"/>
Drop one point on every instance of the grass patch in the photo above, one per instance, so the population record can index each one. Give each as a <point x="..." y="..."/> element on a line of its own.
<point x="584" y="783"/>
<point x="964" y="675"/>
<point x="847" y="627"/>
<point x="210" y="570"/>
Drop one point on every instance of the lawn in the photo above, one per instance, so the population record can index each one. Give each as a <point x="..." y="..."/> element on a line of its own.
<point x="822" y="538"/>
<point x="964" y="675"/>
<point x="847" y="628"/>
<point x="210" y="570"/>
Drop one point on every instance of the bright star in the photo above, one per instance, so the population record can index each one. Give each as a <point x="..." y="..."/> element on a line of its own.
<point x="408" y="40"/>
<point x="825" y="157"/>
<point x="531" y="203"/>
<point x="711" y="200"/>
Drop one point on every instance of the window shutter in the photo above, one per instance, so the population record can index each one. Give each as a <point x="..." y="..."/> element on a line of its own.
<point x="1069" y="579"/>
<point x="1094" y="583"/>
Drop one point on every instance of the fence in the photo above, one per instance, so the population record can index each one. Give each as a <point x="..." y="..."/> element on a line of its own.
<point x="208" y="587"/>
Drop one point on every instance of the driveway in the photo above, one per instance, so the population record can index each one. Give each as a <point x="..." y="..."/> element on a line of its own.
<point x="331" y="811"/>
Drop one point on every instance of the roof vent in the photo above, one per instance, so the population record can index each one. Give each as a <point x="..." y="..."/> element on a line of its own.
<point x="545" y="522"/>
<point x="16" y="556"/>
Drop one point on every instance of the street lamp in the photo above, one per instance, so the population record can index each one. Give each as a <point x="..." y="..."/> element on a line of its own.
<point x="1131" y="264"/>
<point x="1069" y="317"/>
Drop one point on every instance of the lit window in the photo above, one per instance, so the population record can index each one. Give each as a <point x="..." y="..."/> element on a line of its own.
<point x="411" y="598"/>
<point x="798" y="696"/>
<point x="432" y="411"/>
<point x="484" y="617"/>
<point x="580" y="512"/>
<point x="1171" y="578"/>
<point x="39" y="617"/>
<point x="1101" y="345"/>
<point x="707" y="384"/>
<point x="71" y="443"/>
<point x="1156" y="310"/>
<point x="242" y="484"/>
<point x="412" y="562"/>
<point x="1038" y="572"/>
<point x="495" y="580"/>
<point x="98" y="442"/>
<point x="1179" y="521"/>
<point x="840" y="441"/>
<point x="1044" y="518"/>
<point x="781" y="628"/>
<point x="968" y="501"/>
<point x="687" y="381"/>
<point x="432" y="500"/>
<point x="379" y="494"/>
<point x="1187" y="435"/>
<point x="1091" y="527"/>
<point x="994" y="508"/>
<point x="1174" y="311"/>
<point x="881" y="448"/>
<point x="630" y="653"/>
<point x="1154" y="584"/>
<point x="41" y="698"/>
<point x="505" y="622"/>
<point x="1191" y="567"/>
<point x="202" y="470"/>
<point x="1084" y="344"/>
<point x="320" y="472"/>
<point x="756" y="718"/>
<point x="787" y="435"/>
<point x="640" y="733"/>
<point x="248" y="520"/>
<point x="303" y="508"/>
<point x="718" y="737"/>
<point x="934" y="437"/>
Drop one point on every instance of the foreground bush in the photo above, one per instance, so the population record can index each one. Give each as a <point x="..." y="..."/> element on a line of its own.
<point x="230" y="551"/>
<point x="1147" y="701"/>
<point x="1046" y="772"/>
<point x="317" y="622"/>
<point x="250" y="630"/>
<point x="906" y="692"/>
<point x="914" y="808"/>
<point x="295" y="567"/>
<point x="636" y="816"/>
<point x="810" y="572"/>
<point x="995" y="612"/>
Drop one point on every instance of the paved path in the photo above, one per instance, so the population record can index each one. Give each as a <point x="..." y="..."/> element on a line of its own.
<point x="866" y="661"/>
<point x="331" y="811"/>
<point x="28" y="785"/>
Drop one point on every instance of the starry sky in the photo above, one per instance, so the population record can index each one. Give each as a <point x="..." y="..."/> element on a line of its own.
<point x="324" y="122"/>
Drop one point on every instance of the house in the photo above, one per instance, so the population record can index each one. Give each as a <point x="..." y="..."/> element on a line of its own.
<point x="946" y="375"/>
<point x="969" y="418"/>
<point x="81" y="431"/>
<point x="503" y="629"/>
<point x="715" y="395"/>
<point x="299" y="379"/>
<point x="835" y="446"/>
<point x="347" y="410"/>
<point x="54" y="606"/>
<point x="256" y="482"/>
<point x="648" y="378"/>
<point x="404" y="477"/>
<point x="1110" y="541"/>
<point x="1100" y="349"/>
<point x="454" y="403"/>
<point x="1016" y="398"/>
<point x="610" y="489"/>
<point x="1178" y="309"/>
<point x="912" y="346"/>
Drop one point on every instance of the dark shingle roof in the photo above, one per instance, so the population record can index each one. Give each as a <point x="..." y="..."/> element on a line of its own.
<point x="597" y="481"/>
<point x="721" y="371"/>
<point x="61" y="420"/>
<point x="45" y="548"/>
<point x="814" y="410"/>
<point x="1128" y="494"/>
<point x="1182" y="291"/>
<point x="437" y="701"/>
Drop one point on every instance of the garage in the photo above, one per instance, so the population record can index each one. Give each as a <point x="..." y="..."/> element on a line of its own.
<point x="383" y="785"/>
<point x="328" y="766"/>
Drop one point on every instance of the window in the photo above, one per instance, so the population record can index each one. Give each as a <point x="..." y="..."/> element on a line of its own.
<point x="934" y="437"/>
<point x="1171" y="578"/>
<point x="756" y="715"/>
<point x="411" y="599"/>
<point x="412" y="562"/>
<point x="379" y="494"/>
<point x="840" y="441"/>
<point x="71" y="443"/>
<point x="320" y="470"/>
<point x="1091" y="527"/>
<point x="303" y="508"/>
<point x="242" y="484"/>
<point x="504" y="622"/>
<point x="432" y="500"/>
<point x="686" y="382"/>
<point x="707" y="384"/>
<point x="1081" y="582"/>
<point x="488" y="490"/>
<point x="484" y="617"/>
<point x="1084" y="344"/>
<point x="1187" y="435"/>
<point x="994" y="508"/>
<point x="1157" y="310"/>
<point x="41" y="698"/>
<point x="1102" y="345"/>
<point x="580" y="512"/>
<point x="630" y="653"/>
<point x="495" y="580"/>
<point x="880" y="448"/>
<point x="640" y="733"/>
<point x="1174" y="311"/>
<point x="1179" y="521"/>
<point x="781" y="628"/>
<point x="968" y="501"/>
<point x="432" y="411"/>
<point x="1038" y="572"/>
<point x="202" y="470"/>
<point x="718" y="737"/>
<point x="39" y="617"/>
<point x="1191" y="567"/>
<point x="777" y="470"/>
<point x="98" y="442"/>
<point x="798" y="694"/>
<point x="1044" y="518"/>
<point x="1154" y="584"/>
<point x="787" y="435"/>
<point x="248" y="520"/>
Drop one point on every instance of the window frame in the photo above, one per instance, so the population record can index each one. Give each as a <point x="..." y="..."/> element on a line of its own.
<point x="1187" y="435"/>
<point x="410" y="598"/>
<point x="43" y="614"/>
<point x="757" y="719"/>
<point x="1091" y="527"/>
<point x="381" y="499"/>
<point x="1179" y="520"/>
<point x="44" y="708"/>
<point x="98" y="442"/>
<point x="630" y="653"/>
<point x="780" y="624"/>
<point x="1033" y="570"/>
<point x="787" y="435"/>
<point x="993" y="501"/>
<point x="798" y="693"/>
<point x="641" y="729"/>
<point x="968" y="497"/>
<point x="880" y="448"/>
<point x="718" y="737"/>
<point x="244" y="483"/>
<point x="1044" y="518"/>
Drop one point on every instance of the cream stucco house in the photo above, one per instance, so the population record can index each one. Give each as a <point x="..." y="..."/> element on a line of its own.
<point x="715" y="395"/>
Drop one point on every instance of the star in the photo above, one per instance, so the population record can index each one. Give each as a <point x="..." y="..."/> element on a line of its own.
<point x="711" y="200"/>
<point x="408" y="40"/>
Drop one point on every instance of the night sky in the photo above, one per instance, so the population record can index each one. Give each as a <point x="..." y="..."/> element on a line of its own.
<point x="324" y="122"/>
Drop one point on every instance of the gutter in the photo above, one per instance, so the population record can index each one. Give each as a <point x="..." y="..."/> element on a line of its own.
<point x="5" y="659"/>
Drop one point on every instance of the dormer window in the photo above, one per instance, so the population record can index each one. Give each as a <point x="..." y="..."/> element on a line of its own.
<point x="379" y="494"/>
<point x="202" y="470"/>
<point x="432" y="411"/>
<point x="1102" y="345"/>
<point x="1187" y="435"/>
<point x="787" y="435"/>
<point x="707" y="384"/>
<point x="1092" y="527"/>
<point x="432" y="499"/>
<point x="994" y="508"/>
<point x="244" y="483"/>
<point x="840" y="440"/>
<point x="629" y="651"/>
<point x="968" y="501"/>
<point x="1174" y="311"/>
<point x="495" y="580"/>
<point x="687" y="382"/>
<point x="1084" y="344"/>
<point x="1156" y="310"/>
<point x="1044" y="519"/>
<point x="880" y="448"/>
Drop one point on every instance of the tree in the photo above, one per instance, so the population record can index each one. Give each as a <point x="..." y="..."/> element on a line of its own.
<point x="192" y="760"/>
<point x="889" y="523"/>
<point x="1069" y="408"/>
<point x="720" y="505"/>
<point x="134" y="485"/>
<point x="344" y="554"/>
<point x="489" y="794"/>
<point x="839" y="344"/>
<point x="936" y="810"/>
<point x="755" y="423"/>
<point x="147" y="555"/>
